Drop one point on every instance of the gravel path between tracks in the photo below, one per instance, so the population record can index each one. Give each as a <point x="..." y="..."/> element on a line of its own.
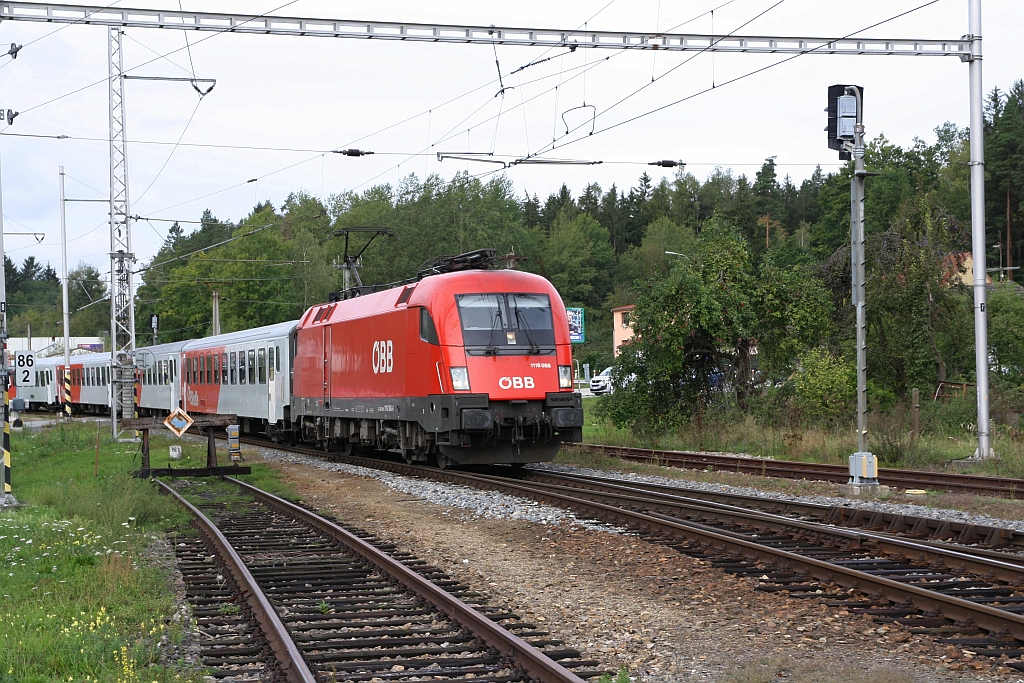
<point x="621" y="600"/>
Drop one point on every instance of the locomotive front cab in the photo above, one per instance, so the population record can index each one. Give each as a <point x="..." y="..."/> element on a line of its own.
<point x="510" y="369"/>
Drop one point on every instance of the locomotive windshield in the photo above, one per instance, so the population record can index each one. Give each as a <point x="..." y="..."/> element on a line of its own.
<point x="506" y="323"/>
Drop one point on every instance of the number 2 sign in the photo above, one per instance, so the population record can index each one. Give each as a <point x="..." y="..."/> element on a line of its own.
<point x="24" y="367"/>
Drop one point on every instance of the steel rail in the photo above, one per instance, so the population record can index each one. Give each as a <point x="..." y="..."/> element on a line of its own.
<point x="1004" y="570"/>
<point x="838" y="515"/>
<point x="957" y="609"/>
<point x="948" y="481"/>
<point x="288" y="656"/>
<point x="538" y="665"/>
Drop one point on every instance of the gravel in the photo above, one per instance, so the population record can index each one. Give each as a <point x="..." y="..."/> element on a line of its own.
<point x="490" y="504"/>
<point x="485" y="504"/>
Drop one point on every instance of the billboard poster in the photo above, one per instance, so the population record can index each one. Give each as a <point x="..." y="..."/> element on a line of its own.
<point x="577" y="327"/>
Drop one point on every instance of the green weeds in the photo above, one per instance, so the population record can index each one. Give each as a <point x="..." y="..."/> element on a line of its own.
<point x="621" y="677"/>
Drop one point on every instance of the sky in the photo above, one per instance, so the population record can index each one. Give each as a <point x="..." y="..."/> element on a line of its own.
<point x="304" y="96"/>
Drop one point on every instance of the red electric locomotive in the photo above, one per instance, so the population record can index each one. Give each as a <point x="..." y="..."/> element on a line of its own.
<point x="468" y="367"/>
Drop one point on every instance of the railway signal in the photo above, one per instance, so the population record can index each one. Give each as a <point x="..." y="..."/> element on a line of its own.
<point x="846" y="134"/>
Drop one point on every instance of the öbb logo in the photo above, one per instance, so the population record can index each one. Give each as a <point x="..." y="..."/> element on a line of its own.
<point x="516" y="383"/>
<point x="383" y="357"/>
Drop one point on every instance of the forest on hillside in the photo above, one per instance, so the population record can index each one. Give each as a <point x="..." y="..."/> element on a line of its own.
<point x="765" y="264"/>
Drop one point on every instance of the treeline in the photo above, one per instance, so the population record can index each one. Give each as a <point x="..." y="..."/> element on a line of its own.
<point x="34" y="298"/>
<point x="765" y="260"/>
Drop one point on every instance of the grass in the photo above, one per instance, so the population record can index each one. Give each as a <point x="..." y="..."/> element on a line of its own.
<point x="770" y="670"/>
<point x="81" y="598"/>
<point x="597" y="431"/>
<point x="946" y="437"/>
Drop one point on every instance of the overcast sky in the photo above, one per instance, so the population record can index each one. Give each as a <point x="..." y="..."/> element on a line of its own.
<point x="316" y="94"/>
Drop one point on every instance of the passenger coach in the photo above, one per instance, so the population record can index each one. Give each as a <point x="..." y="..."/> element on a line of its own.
<point x="242" y="373"/>
<point x="158" y="378"/>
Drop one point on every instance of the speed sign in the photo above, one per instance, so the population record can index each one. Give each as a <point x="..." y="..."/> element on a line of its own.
<point x="24" y="368"/>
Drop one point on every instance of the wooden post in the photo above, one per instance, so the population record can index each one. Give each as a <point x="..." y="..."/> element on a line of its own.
<point x="915" y="414"/>
<point x="145" y="448"/>
<point x="211" y="448"/>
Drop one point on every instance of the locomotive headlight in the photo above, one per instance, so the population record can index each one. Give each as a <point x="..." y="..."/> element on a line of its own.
<point x="460" y="378"/>
<point x="565" y="377"/>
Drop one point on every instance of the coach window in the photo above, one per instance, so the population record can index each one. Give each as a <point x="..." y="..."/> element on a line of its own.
<point x="195" y="369"/>
<point x="277" y="359"/>
<point x="251" y="366"/>
<point x="428" y="332"/>
<point x="241" y="367"/>
<point x="216" y="368"/>
<point x="261" y="354"/>
<point x="270" y="364"/>
<point x="234" y="372"/>
<point x="224" y="368"/>
<point x="209" y="369"/>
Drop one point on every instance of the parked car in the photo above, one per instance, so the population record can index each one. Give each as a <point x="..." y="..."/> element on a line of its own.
<point x="602" y="383"/>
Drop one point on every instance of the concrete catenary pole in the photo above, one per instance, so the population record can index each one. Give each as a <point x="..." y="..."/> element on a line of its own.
<point x="978" y="229"/>
<point x="64" y="293"/>
<point x="6" y="497"/>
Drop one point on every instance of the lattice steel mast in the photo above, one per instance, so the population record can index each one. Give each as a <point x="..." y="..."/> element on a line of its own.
<point x="122" y="300"/>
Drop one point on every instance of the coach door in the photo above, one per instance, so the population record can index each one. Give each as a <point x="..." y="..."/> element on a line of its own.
<point x="327" y="366"/>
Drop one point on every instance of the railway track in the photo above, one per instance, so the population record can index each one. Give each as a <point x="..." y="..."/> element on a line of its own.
<point x="282" y="593"/>
<point x="1005" y="487"/>
<point x="971" y="597"/>
<point x="984" y="540"/>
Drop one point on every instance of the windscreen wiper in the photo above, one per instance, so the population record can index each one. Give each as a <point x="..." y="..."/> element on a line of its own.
<point x="491" y="350"/>
<point x="534" y="349"/>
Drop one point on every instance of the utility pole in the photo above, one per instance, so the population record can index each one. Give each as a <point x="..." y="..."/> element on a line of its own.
<point x="857" y="257"/>
<point x="846" y="134"/>
<point x="66" y="379"/>
<point x="978" y="229"/>
<point x="6" y="497"/>
<point x="215" y="326"/>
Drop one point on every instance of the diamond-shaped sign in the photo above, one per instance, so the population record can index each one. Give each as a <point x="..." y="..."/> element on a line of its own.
<point x="178" y="422"/>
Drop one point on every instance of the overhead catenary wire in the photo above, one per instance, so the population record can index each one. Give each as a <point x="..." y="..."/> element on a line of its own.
<point x="681" y="64"/>
<point x="171" y="154"/>
<point x="718" y="86"/>
<point x="210" y="246"/>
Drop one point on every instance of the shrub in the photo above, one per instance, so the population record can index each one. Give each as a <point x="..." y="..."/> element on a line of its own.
<point x="826" y="387"/>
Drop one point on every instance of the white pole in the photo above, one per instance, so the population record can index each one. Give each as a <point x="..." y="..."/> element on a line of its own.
<point x="64" y="279"/>
<point x="6" y="497"/>
<point x="978" y="229"/>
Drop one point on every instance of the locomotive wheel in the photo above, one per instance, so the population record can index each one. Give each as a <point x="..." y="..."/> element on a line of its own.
<point x="443" y="462"/>
<point x="407" y="456"/>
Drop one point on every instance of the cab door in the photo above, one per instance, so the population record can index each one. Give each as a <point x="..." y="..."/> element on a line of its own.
<point x="327" y="365"/>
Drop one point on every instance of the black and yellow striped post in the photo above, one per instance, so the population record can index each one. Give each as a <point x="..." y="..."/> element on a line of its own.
<point x="7" y="436"/>
<point x="67" y="393"/>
